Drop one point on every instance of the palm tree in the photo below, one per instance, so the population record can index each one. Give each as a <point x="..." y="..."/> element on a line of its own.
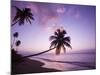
<point x="15" y="35"/>
<point x="58" y="41"/>
<point x="17" y="44"/>
<point x="22" y="15"/>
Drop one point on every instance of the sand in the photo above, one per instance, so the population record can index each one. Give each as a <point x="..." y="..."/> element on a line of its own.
<point x="30" y="66"/>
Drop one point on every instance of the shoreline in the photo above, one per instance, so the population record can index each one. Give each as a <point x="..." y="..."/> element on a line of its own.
<point x="30" y="66"/>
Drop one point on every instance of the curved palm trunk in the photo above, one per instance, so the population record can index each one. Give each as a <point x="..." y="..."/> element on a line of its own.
<point x="14" y="23"/>
<point x="39" y="53"/>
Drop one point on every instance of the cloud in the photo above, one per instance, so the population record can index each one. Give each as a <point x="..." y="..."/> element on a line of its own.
<point x="73" y="12"/>
<point x="61" y="10"/>
<point x="54" y="27"/>
<point x="44" y="12"/>
<point x="47" y="15"/>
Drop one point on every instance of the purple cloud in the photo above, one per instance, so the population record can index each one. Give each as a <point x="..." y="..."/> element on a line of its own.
<point x="73" y="12"/>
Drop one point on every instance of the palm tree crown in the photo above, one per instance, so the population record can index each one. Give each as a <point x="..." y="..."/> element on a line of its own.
<point x="15" y="34"/>
<point x="22" y="15"/>
<point x="59" y="40"/>
<point x="18" y="43"/>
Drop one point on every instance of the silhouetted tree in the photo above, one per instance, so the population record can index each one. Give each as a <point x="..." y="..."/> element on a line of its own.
<point x="58" y="41"/>
<point x="15" y="57"/>
<point x="17" y="44"/>
<point x="22" y="15"/>
<point x="15" y="35"/>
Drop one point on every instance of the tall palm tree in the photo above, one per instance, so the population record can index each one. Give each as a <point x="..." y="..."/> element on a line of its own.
<point x="58" y="41"/>
<point x="15" y="35"/>
<point x="22" y="15"/>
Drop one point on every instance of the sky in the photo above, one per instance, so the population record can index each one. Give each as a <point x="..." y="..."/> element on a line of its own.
<point x="78" y="20"/>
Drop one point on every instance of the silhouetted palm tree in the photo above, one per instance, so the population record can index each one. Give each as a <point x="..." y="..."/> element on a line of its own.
<point x="17" y="44"/>
<point x="58" y="41"/>
<point x="22" y="15"/>
<point x="15" y="35"/>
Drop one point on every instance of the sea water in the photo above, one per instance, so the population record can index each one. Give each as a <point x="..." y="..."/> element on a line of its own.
<point x="70" y="61"/>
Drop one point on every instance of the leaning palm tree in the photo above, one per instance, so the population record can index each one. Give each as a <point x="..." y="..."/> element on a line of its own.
<point x="22" y="15"/>
<point x="58" y="41"/>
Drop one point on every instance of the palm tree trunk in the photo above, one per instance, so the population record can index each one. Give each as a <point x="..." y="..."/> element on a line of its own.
<point x="13" y="43"/>
<point x="39" y="53"/>
<point x="16" y="49"/>
<point x="14" y="23"/>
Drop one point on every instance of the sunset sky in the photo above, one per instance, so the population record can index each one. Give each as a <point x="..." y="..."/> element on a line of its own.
<point x="78" y="20"/>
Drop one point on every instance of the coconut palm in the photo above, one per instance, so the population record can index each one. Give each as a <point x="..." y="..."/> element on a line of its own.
<point x="22" y="15"/>
<point x="58" y="41"/>
<point x="15" y="35"/>
<point x="17" y="44"/>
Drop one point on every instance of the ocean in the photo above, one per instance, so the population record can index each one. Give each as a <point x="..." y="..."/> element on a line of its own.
<point x="68" y="61"/>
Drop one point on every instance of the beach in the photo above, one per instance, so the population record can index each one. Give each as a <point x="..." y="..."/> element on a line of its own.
<point x="30" y="66"/>
<point x="45" y="63"/>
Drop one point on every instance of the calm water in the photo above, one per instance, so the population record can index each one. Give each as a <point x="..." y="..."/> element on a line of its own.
<point x="70" y="61"/>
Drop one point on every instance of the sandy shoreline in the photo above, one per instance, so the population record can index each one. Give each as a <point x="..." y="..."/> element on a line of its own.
<point x="30" y="66"/>
<point x="26" y="65"/>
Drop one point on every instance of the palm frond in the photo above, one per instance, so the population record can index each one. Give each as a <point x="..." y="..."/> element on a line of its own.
<point x="53" y="43"/>
<point x="31" y="17"/>
<point x="68" y="45"/>
<point x="67" y="39"/>
<point x="56" y="33"/>
<point x="52" y="37"/>
<point x="64" y="32"/>
<point x="28" y="20"/>
<point x="64" y="48"/>
<point x="58" y="30"/>
<point x="18" y="13"/>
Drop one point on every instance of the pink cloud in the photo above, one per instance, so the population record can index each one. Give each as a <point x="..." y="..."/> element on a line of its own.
<point x="54" y="27"/>
<point x="44" y="13"/>
<point x="48" y="16"/>
<point x="61" y="10"/>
